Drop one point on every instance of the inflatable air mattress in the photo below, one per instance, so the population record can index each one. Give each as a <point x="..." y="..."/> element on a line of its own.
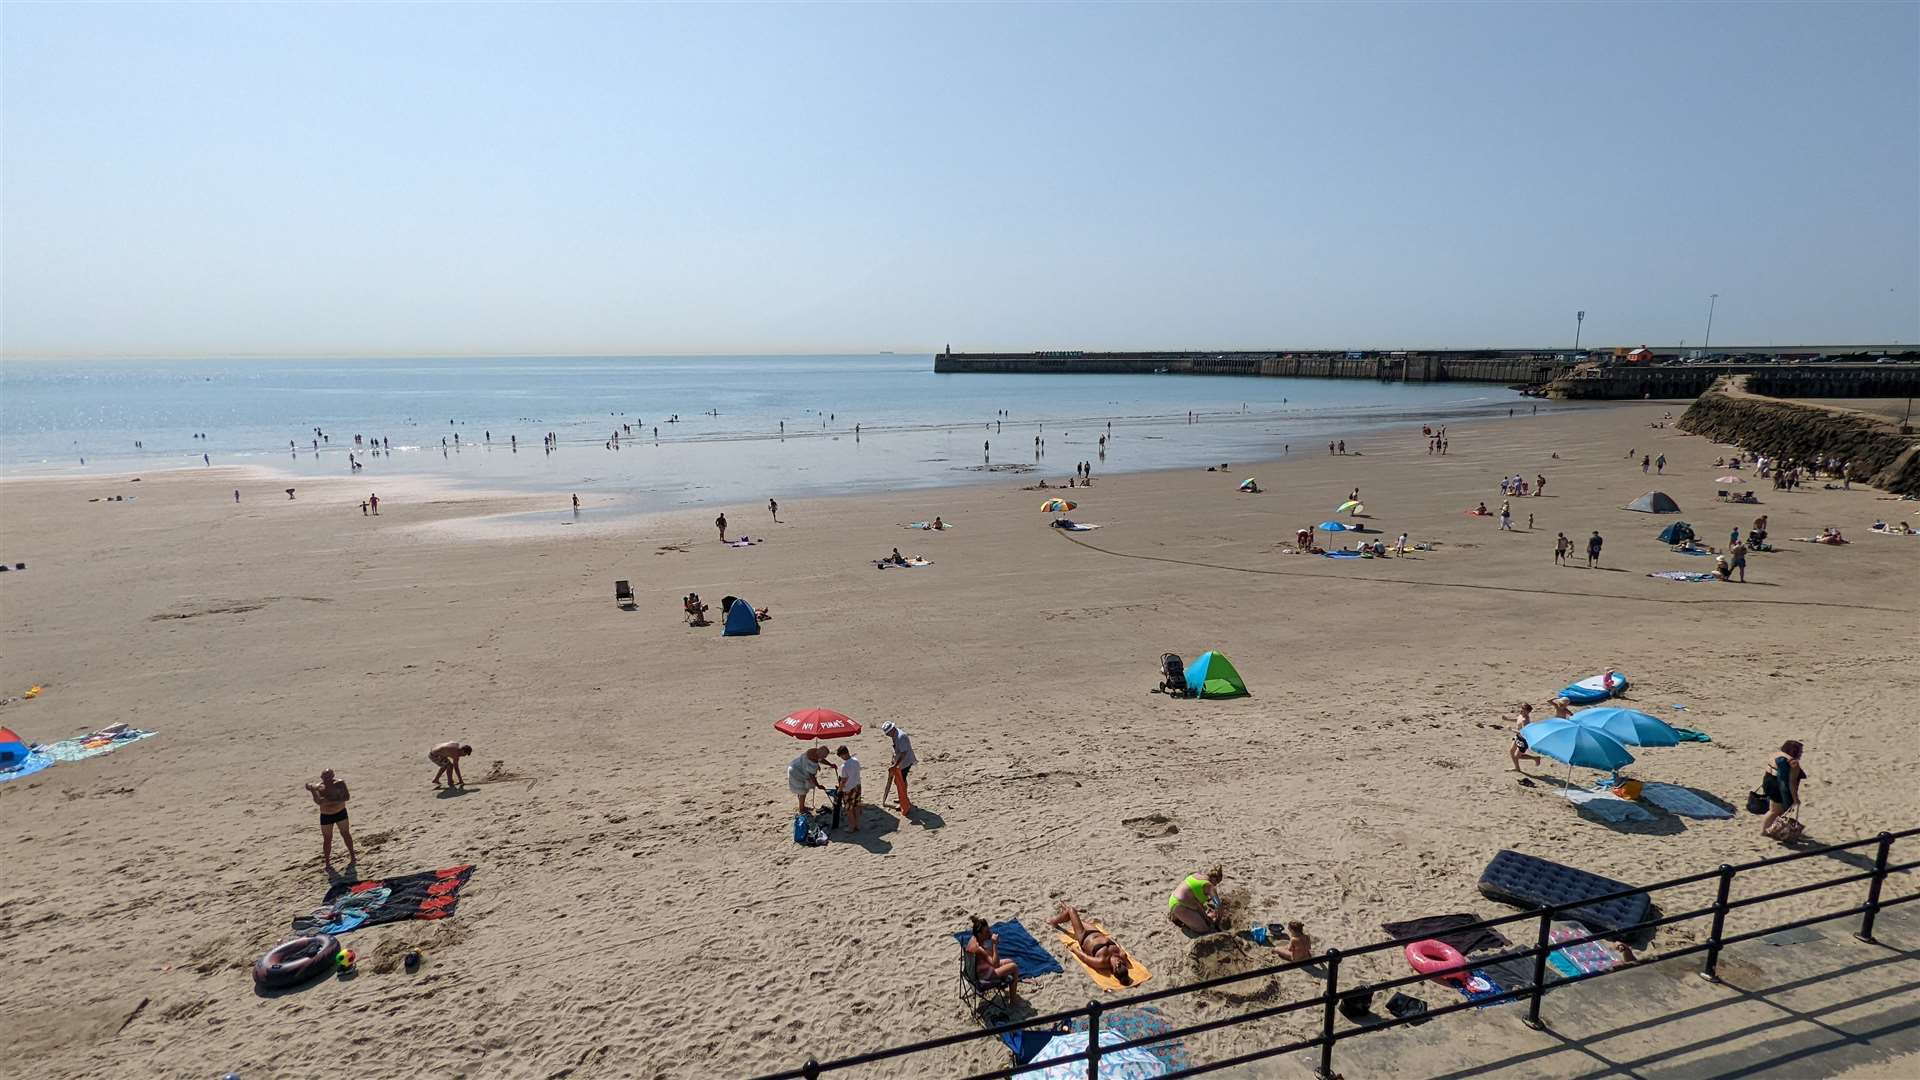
<point x="1529" y="882"/>
<point x="1590" y="690"/>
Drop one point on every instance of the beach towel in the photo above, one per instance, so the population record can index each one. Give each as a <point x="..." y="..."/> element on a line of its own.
<point x="1479" y="987"/>
<point x="1343" y="555"/>
<point x="1446" y="929"/>
<point x="1135" y="1022"/>
<point x="1682" y="575"/>
<point x="1136" y="970"/>
<point x="1690" y="551"/>
<point x="350" y="905"/>
<point x="37" y="759"/>
<point x="94" y="745"/>
<point x="928" y="525"/>
<point x="1578" y="959"/>
<point x="1690" y="735"/>
<point x="1607" y="807"/>
<point x="1075" y="526"/>
<point x="1683" y="801"/>
<point x="1019" y="946"/>
<point x="743" y="542"/>
<point x="910" y="564"/>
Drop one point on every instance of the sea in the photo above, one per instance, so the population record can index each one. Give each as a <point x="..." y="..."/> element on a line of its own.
<point x="691" y="429"/>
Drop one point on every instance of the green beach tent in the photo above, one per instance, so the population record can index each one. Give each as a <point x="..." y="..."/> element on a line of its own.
<point x="1213" y="676"/>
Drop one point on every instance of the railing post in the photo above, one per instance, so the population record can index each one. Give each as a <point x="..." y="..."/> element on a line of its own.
<point x="811" y="1069"/>
<point x="1711" y="972"/>
<point x="1093" y="1040"/>
<point x="1326" y="1020"/>
<point x="1542" y="944"/>
<point x="1873" y="888"/>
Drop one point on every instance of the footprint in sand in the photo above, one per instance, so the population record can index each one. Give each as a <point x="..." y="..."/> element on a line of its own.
<point x="1151" y="826"/>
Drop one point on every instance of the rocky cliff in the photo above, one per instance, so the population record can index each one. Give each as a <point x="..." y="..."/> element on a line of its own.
<point x="1879" y="454"/>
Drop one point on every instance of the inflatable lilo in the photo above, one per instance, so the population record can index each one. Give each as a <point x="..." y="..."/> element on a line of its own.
<point x="1437" y="959"/>
<point x="293" y="962"/>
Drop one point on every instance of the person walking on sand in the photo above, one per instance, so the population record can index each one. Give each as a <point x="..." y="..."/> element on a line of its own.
<point x="1738" y="555"/>
<point x="447" y="756"/>
<point x="1781" y="785"/>
<point x="236" y="494"/>
<point x="1562" y="547"/>
<point x="1519" y="748"/>
<point x="374" y="501"/>
<point x="1645" y="461"/>
<point x="774" y="509"/>
<point x="331" y="796"/>
<point x="1193" y="904"/>
<point x="903" y="760"/>
<point x="1593" y="549"/>
<point x="576" y="504"/>
<point x="1506" y="517"/>
<point x="1660" y="464"/>
<point x="721" y="524"/>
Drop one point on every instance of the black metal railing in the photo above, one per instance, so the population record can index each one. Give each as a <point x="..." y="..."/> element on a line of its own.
<point x="1329" y="999"/>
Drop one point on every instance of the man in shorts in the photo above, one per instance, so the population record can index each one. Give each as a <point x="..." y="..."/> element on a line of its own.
<point x="846" y="797"/>
<point x="1593" y="549"/>
<point x="803" y="776"/>
<point x="331" y="795"/>
<point x="447" y="756"/>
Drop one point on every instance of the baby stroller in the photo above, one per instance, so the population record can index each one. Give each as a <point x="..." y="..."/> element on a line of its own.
<point x="1173" y="675"/>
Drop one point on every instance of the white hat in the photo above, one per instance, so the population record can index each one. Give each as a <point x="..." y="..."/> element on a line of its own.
<point x="888" y="728"/>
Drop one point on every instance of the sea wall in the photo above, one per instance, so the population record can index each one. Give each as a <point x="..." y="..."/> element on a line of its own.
<point x="1876" y="450"/>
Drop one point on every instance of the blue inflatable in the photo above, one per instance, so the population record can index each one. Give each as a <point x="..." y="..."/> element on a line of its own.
<point x="1592" y="690"/>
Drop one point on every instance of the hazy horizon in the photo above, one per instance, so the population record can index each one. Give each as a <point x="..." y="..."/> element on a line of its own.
<point x="417" y="182"/>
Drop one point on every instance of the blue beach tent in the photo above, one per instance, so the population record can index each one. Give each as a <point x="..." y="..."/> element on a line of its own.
<point x="740" y="619"/>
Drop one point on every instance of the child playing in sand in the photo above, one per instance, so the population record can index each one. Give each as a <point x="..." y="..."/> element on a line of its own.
<point x="1299" y="946"/>
<point x="1519" y="748"/>
<point x="447" y="755"/>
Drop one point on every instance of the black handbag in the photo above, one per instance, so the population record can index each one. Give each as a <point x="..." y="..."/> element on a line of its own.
<point x="1756" y="803"/>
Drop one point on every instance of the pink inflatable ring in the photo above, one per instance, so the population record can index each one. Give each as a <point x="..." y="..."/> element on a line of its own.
<point x="1438" y="959"/>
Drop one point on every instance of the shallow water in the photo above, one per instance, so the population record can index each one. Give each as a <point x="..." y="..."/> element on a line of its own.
<point x="728" y="428"/>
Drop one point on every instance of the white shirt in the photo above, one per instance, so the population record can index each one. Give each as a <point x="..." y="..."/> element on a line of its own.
<point x="903" y="750"/>
<point x="802" y="770"/>
<point x="850" y="773"/>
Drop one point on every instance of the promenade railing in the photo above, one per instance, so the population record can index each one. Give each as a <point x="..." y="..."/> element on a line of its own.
<point x="1328" y="1001"/>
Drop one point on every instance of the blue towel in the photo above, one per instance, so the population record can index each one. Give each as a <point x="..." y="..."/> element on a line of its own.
<point x="1020" y="947"/>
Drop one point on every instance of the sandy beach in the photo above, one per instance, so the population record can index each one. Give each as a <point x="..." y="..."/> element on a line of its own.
<point x="637" y="906"/>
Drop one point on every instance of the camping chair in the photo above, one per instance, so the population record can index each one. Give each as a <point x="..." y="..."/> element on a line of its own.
<point x="978" y="994"/>
<point x="623" y="594"/>
<point x="1173" y="675"/>
<point x="1722" y="494"/>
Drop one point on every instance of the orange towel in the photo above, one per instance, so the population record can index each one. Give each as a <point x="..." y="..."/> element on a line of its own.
<point x="1136" y="970"/>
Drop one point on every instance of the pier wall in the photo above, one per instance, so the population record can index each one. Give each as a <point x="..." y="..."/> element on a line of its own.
<point x="1522" y="369"/>
<point x="1876" y="450"/>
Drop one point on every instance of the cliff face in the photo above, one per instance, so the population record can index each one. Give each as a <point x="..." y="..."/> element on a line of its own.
<point x="1878" y="453"/>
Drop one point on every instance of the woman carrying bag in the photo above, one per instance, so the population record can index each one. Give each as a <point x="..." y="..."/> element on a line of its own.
<point x="1781" y="785"/>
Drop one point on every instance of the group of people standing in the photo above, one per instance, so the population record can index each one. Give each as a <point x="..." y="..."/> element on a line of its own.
<point x="803" y="776"/>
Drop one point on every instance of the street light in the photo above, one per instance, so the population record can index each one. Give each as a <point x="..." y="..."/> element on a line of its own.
<point x="1578" y="318"/>
<point x="1707" y="345"/>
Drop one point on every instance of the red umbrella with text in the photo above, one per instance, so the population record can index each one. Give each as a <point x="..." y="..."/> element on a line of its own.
<point x="817" y="724"/>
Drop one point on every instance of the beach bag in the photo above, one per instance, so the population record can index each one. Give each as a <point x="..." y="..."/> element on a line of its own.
<point x="1756" y="803"/>
<point x="800" y="823"/>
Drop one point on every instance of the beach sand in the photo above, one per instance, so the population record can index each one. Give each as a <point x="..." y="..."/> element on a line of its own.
<point x="638" y="907"/>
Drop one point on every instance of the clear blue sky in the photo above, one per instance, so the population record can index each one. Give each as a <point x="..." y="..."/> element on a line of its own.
<point x="376" y="179"/>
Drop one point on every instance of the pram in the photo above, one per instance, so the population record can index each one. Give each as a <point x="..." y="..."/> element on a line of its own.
<point x="1173" y="676"/>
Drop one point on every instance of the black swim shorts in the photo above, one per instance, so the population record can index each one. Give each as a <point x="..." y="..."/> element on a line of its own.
<point x="332" y="819"/>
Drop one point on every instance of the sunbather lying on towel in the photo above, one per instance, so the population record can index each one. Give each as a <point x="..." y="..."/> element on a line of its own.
<point x="1093" y="947"/>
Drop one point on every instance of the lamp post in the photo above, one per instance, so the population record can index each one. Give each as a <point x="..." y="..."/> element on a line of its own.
<point x="1707" y="345"/>
<point x="1578" y="318"/>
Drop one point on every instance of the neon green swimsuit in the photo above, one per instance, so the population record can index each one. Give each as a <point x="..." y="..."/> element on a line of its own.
<point x="1196" y="885"/>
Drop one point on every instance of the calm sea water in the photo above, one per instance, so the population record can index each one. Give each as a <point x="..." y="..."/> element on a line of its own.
<point x="916" y="428"/>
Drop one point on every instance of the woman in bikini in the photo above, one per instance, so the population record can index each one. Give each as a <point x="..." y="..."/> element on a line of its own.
<point x="1093" y="947"/>
<point x="988" y="968"/>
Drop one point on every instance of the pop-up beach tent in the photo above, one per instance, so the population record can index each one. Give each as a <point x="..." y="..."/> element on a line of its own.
<point x="740" y="619"/>
<point x="1213" y="676"/>
<point x="1677" y="533"/>
<point x="1655" y="502"/>
<point x="13" y="749"/>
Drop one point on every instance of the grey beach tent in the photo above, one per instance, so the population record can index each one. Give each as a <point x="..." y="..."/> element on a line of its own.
<point x="1655" y="502"/>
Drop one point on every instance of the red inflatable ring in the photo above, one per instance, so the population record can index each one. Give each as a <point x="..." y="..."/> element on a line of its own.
<point x="296" y="961"/>
<point x="1438" y="959"/>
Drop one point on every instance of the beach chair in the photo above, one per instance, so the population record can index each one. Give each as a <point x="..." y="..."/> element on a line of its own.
<point x="1722" y="494"/>
<point x="977" y="994"/>
<point x="623" y="594"/>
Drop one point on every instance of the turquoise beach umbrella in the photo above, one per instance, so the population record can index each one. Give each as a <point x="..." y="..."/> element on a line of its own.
<point x="1629" y="726"/>
<point x="1573" y="744"/>
<point x="1331" y="526"/>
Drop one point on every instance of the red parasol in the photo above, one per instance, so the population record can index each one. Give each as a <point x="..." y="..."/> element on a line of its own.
<point x="817" y="724"/>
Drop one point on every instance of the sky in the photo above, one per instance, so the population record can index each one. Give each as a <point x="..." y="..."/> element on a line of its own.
<point x="385" y="180"/>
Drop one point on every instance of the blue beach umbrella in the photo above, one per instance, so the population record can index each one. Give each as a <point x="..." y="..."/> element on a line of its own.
<point x="1629" y="726"/>
<point x="1331" y="526"/>
<point x="1574" y="744"/>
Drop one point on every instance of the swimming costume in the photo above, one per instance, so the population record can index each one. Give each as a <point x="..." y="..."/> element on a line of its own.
<point x="330" y="819"/>
<point x="1197" y="885"/>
